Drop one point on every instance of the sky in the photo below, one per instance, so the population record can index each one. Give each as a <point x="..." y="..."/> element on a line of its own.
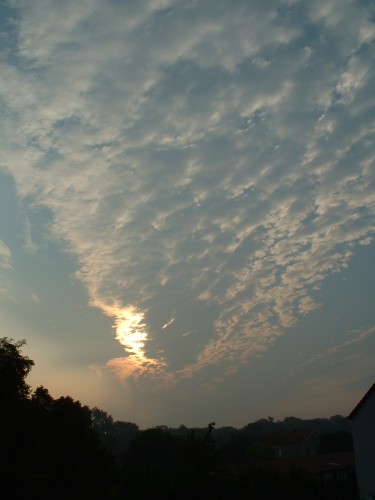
<point x="187" y="204"/>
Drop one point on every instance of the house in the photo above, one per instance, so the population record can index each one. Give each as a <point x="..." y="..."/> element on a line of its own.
<point x="363" y="425"/>
<point x="292" y="444"/>
<point x="334" y="472"/>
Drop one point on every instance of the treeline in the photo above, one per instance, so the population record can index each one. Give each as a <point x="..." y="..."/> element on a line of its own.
<point x="60" y="449"/>
<point x="335" y="434"/>
<point x="216" y="463"/>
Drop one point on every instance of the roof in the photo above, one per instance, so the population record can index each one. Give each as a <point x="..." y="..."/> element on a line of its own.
<point x="286" y="438"/>
<point x="316" y="464"/>
<point x="362" y="402"/>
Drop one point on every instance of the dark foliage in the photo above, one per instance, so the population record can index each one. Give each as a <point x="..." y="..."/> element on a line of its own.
<point x="114" y="435"/>
<point x="14" y="368"/>
<point x="158" y="464"/>
<point x="48" y="447"/>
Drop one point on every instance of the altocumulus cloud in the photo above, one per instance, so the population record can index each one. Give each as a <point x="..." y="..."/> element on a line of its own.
<point x="5" y="256"/>
<point x="208" y="164"/>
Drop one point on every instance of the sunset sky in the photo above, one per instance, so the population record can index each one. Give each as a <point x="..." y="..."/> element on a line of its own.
<point x="187" y="204"/>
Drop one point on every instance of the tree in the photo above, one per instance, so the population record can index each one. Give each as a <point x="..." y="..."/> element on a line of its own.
<point x="49" y="448"/>
<point x="42" y="399"/>
<point x="114" y="435"/>
<point x="15" y="422"/>
<point x="14" y="368"/>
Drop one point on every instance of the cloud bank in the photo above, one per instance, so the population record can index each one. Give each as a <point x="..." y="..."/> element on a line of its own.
<point x="208" y="164"/>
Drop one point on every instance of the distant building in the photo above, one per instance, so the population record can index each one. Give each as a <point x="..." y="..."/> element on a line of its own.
<point x="292" y="444"/>
<point x="334" y="472"/>
<point x="363" y="424"/>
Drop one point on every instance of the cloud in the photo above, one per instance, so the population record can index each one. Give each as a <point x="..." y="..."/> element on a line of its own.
<point x="5" y="256"/>
<point x="213" y="163"/>
<point x="35" y="298"/>
<point x="355" y="336"/>
<point x="29" y="245"/>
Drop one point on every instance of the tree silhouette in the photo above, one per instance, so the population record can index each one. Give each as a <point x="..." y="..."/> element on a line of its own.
<point x="49" y="448"/>
<point x="114" y="435"/>
<point x="14" y="368"/>
<point x="15" y="426"/>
